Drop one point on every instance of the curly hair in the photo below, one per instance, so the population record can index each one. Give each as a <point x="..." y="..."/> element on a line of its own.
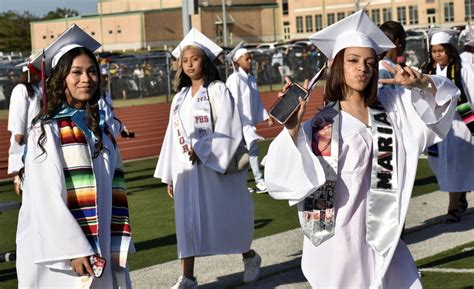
<point x="209" y="70"/>
<point x="56" y="96"/>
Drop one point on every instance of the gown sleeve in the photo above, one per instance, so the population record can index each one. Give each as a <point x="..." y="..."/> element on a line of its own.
<point x="422" y="118"/>
<point x="17" y="124"/>
<point x="292" y="171"/>
<point x="58" y="237"/>
<point x="216" y="150"/>
<point x="18" y="111"/>
<point x="164" y="170"/>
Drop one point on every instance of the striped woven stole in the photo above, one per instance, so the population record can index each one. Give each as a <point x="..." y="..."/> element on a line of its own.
<point x="82" y="192"/>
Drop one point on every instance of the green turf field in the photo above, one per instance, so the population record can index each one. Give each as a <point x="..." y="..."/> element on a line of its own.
<point x="152" y="220"/>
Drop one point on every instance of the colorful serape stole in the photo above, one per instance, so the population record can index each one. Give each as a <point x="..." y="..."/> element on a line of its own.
<point x="467" y="115"/>
<point x="82" y="193"/>
<point x="80" y="180"/>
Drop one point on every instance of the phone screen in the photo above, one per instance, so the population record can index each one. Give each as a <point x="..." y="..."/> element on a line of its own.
<point x="287" y="105"/>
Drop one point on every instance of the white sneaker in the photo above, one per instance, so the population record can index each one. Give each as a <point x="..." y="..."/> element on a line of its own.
<point x="251" y="190"/>
<point x="185" y="283"/>
<point x="252" y="268"/>
<point x="261" y="188"/>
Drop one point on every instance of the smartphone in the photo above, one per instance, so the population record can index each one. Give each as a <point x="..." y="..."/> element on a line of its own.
<point x="284" y="107"/>
<point x="97" y="264"/>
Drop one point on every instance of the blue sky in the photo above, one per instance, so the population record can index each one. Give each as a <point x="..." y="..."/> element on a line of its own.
<point x="41" y="7"/>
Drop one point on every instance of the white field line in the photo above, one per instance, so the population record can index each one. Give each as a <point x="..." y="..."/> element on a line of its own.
<point x="446" y="270"/>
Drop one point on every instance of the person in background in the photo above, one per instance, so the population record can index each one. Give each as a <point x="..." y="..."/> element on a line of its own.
<point x="25" y="104"/>
<point x="397" y="35"/>
<point x="352" y="196"/>
<point x="451" y="160"/>
<point x="213" y="209"/>
<point x="243" y="87"/>
<point x="74" y="213"/>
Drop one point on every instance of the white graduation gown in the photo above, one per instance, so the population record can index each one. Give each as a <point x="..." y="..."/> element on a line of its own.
<point x="106" y="104"/>
<point x="23" y="109"/>
<point x="453" y="166"/>
<point x="243" y="88"/>
<point x="48" y="236"/>
<point x="293" y="172"/>
<point x="214" y="212"/>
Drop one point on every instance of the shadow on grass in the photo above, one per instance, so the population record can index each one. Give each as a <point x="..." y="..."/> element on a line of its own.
<point x="171" y="239"/>
<point x="7" y="274"/>
<point x="141" y="178"/>
<point x="154" y="243"/>
<point x="261" y="223"/>
<point x="426" y="181"/>
<point x="448" y="259"/>
<point x="135" y="189"/>
<point x="272" y="276"/>
<point x="438" y="227"/>
<point x="150" y="170"/>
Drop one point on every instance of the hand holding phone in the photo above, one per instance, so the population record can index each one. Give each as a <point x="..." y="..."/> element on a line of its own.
<point x="284" y="107"/>
<point x="97" y="264"/>
<point x="289" y="103"/>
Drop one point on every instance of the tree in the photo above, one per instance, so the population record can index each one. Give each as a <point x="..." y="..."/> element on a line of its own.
<point x="61" y="13"/>
<point x="15" y="32"/>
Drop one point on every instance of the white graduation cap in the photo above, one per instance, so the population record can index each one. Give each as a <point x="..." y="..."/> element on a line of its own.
<point x="356" y="30"/>
<point x="196" y="38"/>
<point x="73" y="37"/>
<point x="235" y="53"/>
<point x="442" y="36"/>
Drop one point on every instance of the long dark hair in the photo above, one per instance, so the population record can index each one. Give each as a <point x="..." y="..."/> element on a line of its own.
<point x="336" y="88"/>
<point x="454" y="67"/>
<point x="209" y="70"/>
<point x="56" y="96"/>
<point x="23" y="79"/>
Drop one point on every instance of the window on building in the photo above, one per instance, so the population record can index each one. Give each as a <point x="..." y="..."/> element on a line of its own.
<point x="319" y="22"/>
<point x="286" y="30"/>
<point x="299" y="24"/>
<point x="431" y="15"/>
<point x="402" y="15"/>
<point x="413" y="14"/>
<point x="469" y="9"/>
<point x="375" y="13"/>
<point x="331" y="19"/>
<point x="92" y="33"/>
<point x="309" y="23"/>
<point x="284" y="7"/>
<point x="430" y="1"/>
<point x="387" y="14"/>
<point x="448" y="12"/>
<point x="340" y="15"/>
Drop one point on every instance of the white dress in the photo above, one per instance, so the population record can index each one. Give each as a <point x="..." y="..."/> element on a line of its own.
<point x="48" y="236"/>
<point x="214" y="212"/>
<point x="453" y="166"/>
<point x="293" y="172"/>
<point x="23" y="109"/>
<point x="243" y="88"/>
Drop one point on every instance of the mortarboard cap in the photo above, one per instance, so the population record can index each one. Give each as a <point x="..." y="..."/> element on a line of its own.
<point x="235" y="53"/>
<point x="196" y="38"/>
<point x="441" y="36"/>
<point x="356" y="30"/>
<point x="73" y="37"/>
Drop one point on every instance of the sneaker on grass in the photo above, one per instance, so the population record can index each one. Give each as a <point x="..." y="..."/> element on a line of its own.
<point x="261" y="188"/>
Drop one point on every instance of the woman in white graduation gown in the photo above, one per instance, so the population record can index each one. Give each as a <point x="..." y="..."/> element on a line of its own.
<point x="213" y="210"/>
<point x="24" y="106"/>
<point x="352" y="185"/>
<point x="452" y="160"/>
<point x="74" y="204"/>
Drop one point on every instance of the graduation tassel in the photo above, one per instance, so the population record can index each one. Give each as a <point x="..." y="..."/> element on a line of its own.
<point x="43" y="60"/>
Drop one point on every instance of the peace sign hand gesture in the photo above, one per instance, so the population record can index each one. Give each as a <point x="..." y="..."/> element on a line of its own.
<point x="409" y="77"/>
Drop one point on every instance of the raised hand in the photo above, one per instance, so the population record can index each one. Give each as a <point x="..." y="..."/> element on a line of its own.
<point x="408" y="77"/>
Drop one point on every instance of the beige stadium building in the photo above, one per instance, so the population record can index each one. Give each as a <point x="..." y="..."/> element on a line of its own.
<point x="122" y="25"/>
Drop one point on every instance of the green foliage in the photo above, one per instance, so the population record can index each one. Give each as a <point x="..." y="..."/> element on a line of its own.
<point x="15" y="32"/>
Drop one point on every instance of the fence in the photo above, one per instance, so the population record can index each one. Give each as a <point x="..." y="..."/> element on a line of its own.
<point x="139" y="76"/>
